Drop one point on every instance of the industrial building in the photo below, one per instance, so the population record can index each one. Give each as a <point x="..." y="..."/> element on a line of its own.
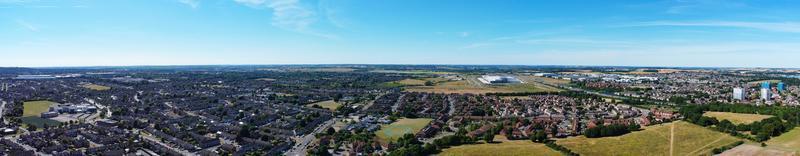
<point x="493" y="79"/>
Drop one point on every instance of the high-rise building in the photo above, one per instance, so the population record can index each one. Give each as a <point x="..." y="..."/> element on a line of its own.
<point x="780" y="86"/>
<point x="739" y="93"/>
<point x="766" y="94"/>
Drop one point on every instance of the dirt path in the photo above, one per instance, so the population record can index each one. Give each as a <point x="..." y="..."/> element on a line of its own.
<point x="672" y="139"/>
<point x="709" y="144"/>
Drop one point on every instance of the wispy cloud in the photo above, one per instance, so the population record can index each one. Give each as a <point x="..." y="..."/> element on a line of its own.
<point x="190" y="3"/>
<point x="27" y="25"/>
<point x="793" y="27"/>
<point x="464" y="34"/>
<point x="289" y="15"/>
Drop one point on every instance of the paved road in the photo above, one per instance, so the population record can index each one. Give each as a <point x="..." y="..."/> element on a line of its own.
<point x="302" y="143"/>
<point x="2" y="106"/>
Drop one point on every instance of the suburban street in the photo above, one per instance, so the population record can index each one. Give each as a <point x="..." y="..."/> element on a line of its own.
<point x="304" y="141"/>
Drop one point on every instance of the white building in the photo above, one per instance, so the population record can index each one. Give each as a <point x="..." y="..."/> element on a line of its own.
<point x="765" y="94"/>
<point x="487" y="79"/>
<point x="739" y="93"/>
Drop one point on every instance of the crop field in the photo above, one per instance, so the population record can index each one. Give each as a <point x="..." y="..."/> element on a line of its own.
<point x="737" y="118"/>
<point x="472" y="85"/>
<point x="330" y="105"/>
<point x="412" y="72"/>
<point x="508" y="148"/>
<point x="762" y="81"/>
<point x="748" y="149"/>
<point x="677" y="138"/>
<point x="35" y="108"/>
<point x="403" y="126"/>
<point x="96" y="87"/>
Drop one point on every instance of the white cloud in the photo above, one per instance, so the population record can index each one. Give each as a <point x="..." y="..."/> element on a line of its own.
<point x="464" y="34"/>
<point x="793" y="27"/>
<point x="289" y="15"/>
<point x="191" y="3"/>
<point x="27" y="25"/>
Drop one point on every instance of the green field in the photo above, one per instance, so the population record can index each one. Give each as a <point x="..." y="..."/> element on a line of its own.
<point x="689" y="139"/>
<point x="96" y="87"/>
<point x="32" y="111"/>
<point x="330" y="105"/>
<point x="39" y="122"/>
<point x="789" y="141"/>
<point x="35" y="108"/>
<point x="737" y="118"/>
<point x="508" y="148"/>
<point x="403" y="126"/>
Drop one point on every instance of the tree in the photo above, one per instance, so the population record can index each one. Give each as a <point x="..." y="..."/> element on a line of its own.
<point x="539" y="136"/>
<point x="429" y="83"/>
<point x="330" y="131"/>
<point x="31" y="128"/>
<point x="488" y="136"/>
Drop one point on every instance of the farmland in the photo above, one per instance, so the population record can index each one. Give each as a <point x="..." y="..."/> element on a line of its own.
<point x="677" y="138"/>
<point x="508" y="147"/>
<point x="394" y="131"/>
<point x="472" y="85"/>
<point x="330" y="105"/>
<point x="737" y="118"/>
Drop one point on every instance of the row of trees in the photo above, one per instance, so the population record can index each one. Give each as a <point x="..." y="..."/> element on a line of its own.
<point x="610" y="130"/>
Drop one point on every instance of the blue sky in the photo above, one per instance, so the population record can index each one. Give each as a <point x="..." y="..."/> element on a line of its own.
<point x="705" y="33"/>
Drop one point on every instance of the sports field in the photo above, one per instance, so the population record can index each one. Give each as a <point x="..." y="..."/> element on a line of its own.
<point x="505" y="147"/>
<point x="403" y="126"/>
<point x="737" y="118"/>
<point x="96" y="87"/>
<point x="677" y="138"/>
<point x="32" y="110"/>
<point x="330" y="105"/>
<point x="35" y="108"/>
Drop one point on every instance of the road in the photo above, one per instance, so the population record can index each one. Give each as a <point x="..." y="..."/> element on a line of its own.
<point x="302" y="143"/>
<point x="156" y="140"/>
<point x="2" y="106"/>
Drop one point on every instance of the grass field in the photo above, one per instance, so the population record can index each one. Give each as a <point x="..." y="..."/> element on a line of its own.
<point x="35" y="108"/>
<point x="789" y="141"/>
<point x="39" y="122"/>
<point x="330" y="105"/>
<point x="32" y="111"/>
<point x="737" y="118"/>
<point x="403" y="126"/>
<point x="762" y="81"/>
<point x="411" y="72"/>
<point x="504" y="148"/>
<point x="689" y="139"/>
<point x="472" y="85"/>
<point x="96" y="87"/>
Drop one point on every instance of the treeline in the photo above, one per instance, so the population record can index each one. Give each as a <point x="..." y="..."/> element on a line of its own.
<point x="726" y="147"/>
<point x="786" y="118"/>
<point x="610" y="130"/>
<point x="408" y="145"/>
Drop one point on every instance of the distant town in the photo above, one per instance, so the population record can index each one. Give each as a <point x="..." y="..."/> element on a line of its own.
<point x="398" y="110"/>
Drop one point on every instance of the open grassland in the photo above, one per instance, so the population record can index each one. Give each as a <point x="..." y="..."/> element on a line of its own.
<point x="35" y="108"/>
<point x="330" y="105"/>
<point x="472" y="85"/>
<point x="403" y="126"/>
<point x="505" y="147"/>
<point x="684" y="139"/>
<point x="789" y="141"/>
<point x="96" y="87"/>
<point x="737" y="118"/>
